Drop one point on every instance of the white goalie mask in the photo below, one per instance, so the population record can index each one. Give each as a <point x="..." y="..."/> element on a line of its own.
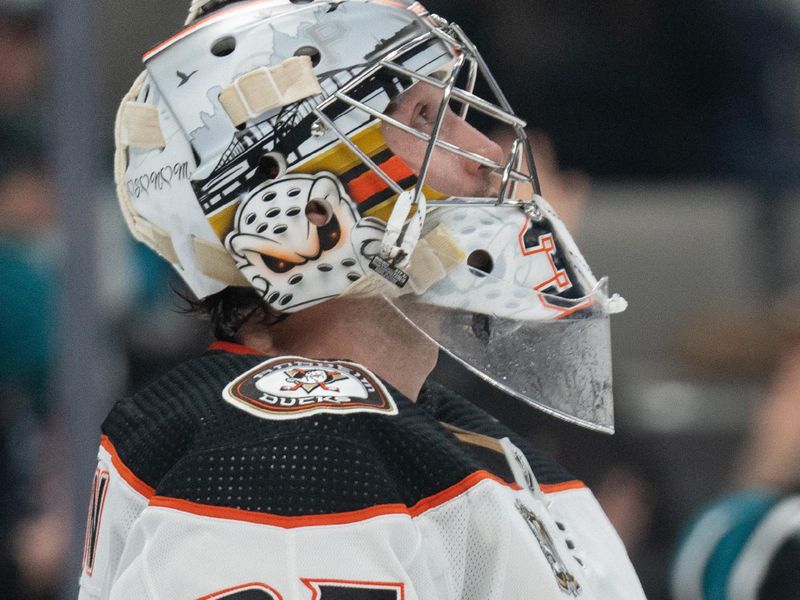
<point x="321" y="149"/>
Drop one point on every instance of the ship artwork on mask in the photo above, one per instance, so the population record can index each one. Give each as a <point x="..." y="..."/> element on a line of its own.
<point x="220" y="184"/>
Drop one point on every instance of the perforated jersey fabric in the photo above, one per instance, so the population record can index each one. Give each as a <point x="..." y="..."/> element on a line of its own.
<point x="333" y="505"/>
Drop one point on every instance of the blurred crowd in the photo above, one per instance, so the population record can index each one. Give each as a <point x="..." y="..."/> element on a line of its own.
<point x="647" y="90"/>
<point x="36" y="511"/>
<point x="28" y="289"/>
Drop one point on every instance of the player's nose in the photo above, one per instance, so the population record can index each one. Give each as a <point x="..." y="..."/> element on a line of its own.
<point x="462" y="134"/>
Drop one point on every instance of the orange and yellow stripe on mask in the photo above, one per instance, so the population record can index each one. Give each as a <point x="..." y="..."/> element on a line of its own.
<point x="371" y="194"/>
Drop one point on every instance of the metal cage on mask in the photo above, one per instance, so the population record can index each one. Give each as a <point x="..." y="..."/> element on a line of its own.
<point x="403" y="230"/>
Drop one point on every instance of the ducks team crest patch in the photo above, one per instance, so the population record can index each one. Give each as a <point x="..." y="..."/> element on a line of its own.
<point x="292" y="387"/>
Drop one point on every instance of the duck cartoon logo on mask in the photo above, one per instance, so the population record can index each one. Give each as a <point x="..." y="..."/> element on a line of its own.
<point x="301" y="219"/>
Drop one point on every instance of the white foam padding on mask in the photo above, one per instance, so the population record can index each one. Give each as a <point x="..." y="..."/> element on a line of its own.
<point x="140" y="127"/>
<point x="140" y="228"/>
<point x="157" y="238"/>
<point x="265" y="88"/>
<point x="434" y="257"/>
<point x="215" y="262"/>
<point x="156" y="196"/>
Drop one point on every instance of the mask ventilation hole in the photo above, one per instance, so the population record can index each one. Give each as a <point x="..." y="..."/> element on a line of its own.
<point x="301" y="1"/>
<point x="319" y="212"/>
<point x="481" y="261"/>
<point x="223" y="46"/>
<point x="272" y="165"/>
<point x="311" y="52"/>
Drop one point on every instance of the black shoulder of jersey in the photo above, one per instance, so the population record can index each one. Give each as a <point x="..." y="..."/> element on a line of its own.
<point x="450" y="407"/>
<point x="183" y="439"/>
<point x="152" y="429"/>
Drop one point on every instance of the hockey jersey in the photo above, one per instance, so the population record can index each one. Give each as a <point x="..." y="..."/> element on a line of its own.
<point x="246" y="477"/>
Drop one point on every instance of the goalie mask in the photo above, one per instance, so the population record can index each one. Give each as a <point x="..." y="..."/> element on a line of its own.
<point x="319" y="149"/>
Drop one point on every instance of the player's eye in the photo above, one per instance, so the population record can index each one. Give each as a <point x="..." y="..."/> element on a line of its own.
<point x="422" y="117"/>
<point x="424" y="113"/>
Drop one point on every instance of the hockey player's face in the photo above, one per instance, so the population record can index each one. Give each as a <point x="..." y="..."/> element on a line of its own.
<point x="448" y="173"/>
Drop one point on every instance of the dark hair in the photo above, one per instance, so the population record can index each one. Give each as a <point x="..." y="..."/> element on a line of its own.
<point x="231" y="308"/>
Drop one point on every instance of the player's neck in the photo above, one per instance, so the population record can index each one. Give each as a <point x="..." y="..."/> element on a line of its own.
<point x="368" y="331"/>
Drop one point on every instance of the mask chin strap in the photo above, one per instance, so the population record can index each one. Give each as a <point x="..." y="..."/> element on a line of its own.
<point x="401" y="237"/>
<point x="434" y="256"/>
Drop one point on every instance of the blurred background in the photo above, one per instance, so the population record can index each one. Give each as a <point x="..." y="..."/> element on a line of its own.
<point x="668" y="134"/>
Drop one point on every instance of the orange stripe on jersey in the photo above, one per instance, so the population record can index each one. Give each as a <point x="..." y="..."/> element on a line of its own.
<point x="456" y="490"/>
<point x="124" y="472"/>
<point x="237" y="514"/>
<point x="233" y="348"/>
<point x="553" y="488"/>
<point x="367" y="185"/>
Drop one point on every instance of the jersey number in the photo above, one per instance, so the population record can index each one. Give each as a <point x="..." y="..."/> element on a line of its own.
<point x="321" y="589"/>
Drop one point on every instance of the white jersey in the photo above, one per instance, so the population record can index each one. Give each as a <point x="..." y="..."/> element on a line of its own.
<point x="257" y="479"/>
